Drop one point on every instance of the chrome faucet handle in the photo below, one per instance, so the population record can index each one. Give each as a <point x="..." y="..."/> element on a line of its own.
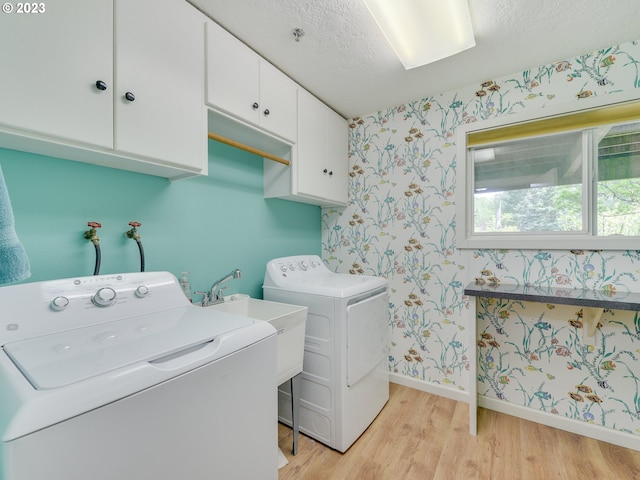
<point x="217" y="295"/>
<point x="205" y="298"/>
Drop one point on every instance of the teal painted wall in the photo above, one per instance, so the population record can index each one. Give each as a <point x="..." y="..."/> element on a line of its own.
<point x="205" y="225"/>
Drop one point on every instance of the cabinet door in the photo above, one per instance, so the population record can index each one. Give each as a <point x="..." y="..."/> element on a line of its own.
<point x="232" y="75"/>
<point x="278" y="106"/>
<point x="50" y="63"/>
<point x="322" y="151"/>
<point x="310" y="161"/>
<point x="337" y="157"/>
<point x="159" y="58"/>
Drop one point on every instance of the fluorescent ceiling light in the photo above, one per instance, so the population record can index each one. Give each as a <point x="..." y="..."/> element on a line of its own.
<point x="423" y="31"/>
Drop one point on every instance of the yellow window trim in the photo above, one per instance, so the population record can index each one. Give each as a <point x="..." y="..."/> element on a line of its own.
<point x="618" y="113"/>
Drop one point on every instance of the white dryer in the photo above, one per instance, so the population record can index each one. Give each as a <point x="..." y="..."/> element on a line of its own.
<point x="120" y="377"/>
<point x="345" y="378"/>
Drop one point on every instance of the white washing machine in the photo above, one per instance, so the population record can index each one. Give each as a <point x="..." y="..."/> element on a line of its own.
<point x="345" y="378"/>
<point x="120" y="377"/>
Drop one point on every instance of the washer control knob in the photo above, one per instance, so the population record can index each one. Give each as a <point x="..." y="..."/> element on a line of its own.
<point x="304" y="265"/>
<point x="283" y="268"/>
<point x="59" y="303"/>
<point x="292" y="267"/>
<point x="142" y="291"/>
<point x="104" y="297"/>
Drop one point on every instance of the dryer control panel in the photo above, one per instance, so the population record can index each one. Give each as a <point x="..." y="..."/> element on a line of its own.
<point x="287" y="267"/>
<point x="308" y="274"/>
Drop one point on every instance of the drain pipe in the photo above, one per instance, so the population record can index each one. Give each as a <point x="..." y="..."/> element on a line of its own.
<point x="92" y="235"/>
<point x="133" y="233"/>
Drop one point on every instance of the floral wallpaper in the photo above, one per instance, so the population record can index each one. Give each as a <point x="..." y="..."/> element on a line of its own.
<point x="541" y="356"/>
<point x="400" y="223"/>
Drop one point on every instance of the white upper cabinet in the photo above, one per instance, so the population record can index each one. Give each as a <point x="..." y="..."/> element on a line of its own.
<point x="337" y="158"/>
<point x="278" y="111"/>
<point x="159" y="59"/>
<point x="319" y="170"/>
<point x="232" y="75"/>
<point x="321" y="151"/>
<point x="64" y="88"/>
<point x="50" y="65"/>
<point x="245" y="86"/>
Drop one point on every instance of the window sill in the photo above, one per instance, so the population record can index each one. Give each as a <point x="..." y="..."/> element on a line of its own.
<point x="549" y="242"/>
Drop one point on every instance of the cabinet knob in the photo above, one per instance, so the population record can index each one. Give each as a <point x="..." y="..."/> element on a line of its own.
<point x="330" y="173"/>
<point x="325" y="171"/>
<point x="100" y="85"/>
<point x="266" y="112"/>
<point x="255" y="105"/>
<point x="130" y="96"/>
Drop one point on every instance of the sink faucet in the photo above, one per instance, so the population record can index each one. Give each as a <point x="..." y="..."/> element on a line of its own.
<point x="216" y="290"/>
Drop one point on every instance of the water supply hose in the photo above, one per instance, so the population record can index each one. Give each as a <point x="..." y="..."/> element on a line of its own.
<point x="92" y="235"/>
<point x="133" y="233"/>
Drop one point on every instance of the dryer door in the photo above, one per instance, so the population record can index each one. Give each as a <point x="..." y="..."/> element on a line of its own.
<point x="367" y="336"/>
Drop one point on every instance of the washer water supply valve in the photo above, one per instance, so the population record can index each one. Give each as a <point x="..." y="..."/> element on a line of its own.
<point x="92" y="234"/>
<point x="133" y="234"/>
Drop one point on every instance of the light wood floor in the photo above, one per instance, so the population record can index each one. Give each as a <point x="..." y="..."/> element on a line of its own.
<point x="419" y="436"/>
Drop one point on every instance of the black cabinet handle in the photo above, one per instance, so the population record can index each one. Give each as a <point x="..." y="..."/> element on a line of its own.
<point x="255" y="105"/>
<point x="130" y="96"/>
<point x="331" y="173"/>
<point x="325" y="171"/>
<point x="266" y="112"/>
<point x="100" y="85"/>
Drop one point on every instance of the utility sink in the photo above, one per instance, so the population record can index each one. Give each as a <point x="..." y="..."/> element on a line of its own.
<point x="288" y="320"/>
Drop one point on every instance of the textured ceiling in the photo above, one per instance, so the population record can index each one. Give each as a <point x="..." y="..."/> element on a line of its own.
<point x="344" y="59"/>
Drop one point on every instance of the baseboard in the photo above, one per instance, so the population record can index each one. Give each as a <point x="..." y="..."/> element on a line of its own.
<point x="429" y="387"/>
<point x="597" y="432"/>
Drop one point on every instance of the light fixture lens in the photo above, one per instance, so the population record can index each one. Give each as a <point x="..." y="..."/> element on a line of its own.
<point x="423" y="31"/>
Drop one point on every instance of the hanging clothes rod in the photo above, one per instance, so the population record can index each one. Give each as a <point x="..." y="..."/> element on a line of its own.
<point x="247" y="148"/>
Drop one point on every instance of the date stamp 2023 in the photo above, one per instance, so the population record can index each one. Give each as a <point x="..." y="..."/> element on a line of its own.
<point x="28" y="8"/>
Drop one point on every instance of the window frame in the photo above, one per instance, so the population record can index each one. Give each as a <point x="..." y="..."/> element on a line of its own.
<point x="467" y="239"/>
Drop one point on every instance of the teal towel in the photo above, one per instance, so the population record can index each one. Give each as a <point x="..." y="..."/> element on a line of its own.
<point x="14" y="263"/>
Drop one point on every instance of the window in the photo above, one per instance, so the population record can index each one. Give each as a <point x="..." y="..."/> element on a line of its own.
<point x="618" y="181"/>
<point x="564" y="181"/>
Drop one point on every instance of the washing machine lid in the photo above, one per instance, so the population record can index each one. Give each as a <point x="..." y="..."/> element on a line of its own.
<point x="60" y="359"/>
